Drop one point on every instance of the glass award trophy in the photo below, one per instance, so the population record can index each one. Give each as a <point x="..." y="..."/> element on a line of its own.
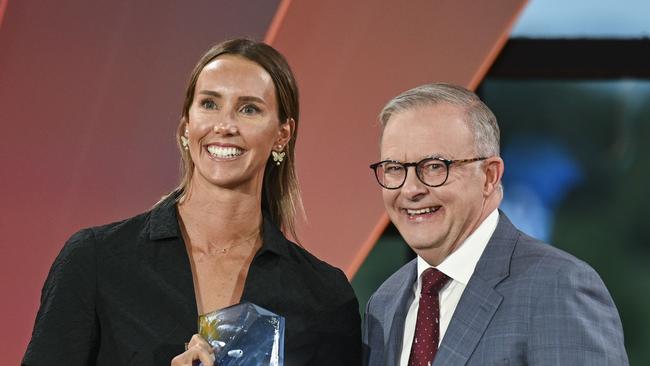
<point x="244" y="335"/>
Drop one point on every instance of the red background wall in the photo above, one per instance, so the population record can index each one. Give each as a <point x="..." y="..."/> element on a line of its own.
<point x="90" y="94"/>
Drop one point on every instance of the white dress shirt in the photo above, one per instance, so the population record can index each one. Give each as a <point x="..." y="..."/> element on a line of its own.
<point x="459" y="266"/>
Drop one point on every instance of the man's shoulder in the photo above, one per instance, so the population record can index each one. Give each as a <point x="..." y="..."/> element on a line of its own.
<point x="549" y="270"/>
<point x="400" y="278"/>
<point x="525" y="253"/>
<point x="542" y="257"/>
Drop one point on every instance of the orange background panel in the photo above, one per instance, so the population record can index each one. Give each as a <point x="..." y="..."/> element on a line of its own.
<point x="350" y="58"/>
<point x="3" y="6"/>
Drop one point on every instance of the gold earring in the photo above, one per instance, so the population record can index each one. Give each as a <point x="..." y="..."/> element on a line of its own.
<point x="278" y="157"/>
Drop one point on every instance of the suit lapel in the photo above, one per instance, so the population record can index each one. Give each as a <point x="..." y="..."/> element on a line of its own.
<point x="480" y="300"/>
<point x="403" y="295"/>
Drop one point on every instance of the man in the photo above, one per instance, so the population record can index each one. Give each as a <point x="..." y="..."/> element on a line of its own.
<point x="480" y="292"/>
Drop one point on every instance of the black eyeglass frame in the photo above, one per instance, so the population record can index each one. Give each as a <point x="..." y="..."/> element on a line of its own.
<point x="416" y="165"/>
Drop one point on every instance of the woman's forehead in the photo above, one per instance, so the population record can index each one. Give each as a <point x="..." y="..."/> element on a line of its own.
<point x="235" y="74"/>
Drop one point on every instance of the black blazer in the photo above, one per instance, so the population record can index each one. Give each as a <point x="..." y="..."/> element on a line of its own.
<point x="123" y="294"/>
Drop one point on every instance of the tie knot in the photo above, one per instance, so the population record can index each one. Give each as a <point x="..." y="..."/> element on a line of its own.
<point x="433" y="280"/>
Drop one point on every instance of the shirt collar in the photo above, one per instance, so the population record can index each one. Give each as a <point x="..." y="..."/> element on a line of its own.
<point x="163" y="224"/>
<point x="273" y="240"/>
<point x="460" y="264"/>
<point x="163" y="220"/>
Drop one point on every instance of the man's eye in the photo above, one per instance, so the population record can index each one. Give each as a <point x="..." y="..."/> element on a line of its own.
<point x="393" y="169"/>
<point x="432" y="167"/>
<point x="250" y="109"/>
<point x="208" y="104"/>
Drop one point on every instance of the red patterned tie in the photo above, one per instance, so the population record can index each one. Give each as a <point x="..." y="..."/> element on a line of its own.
<point x="427" y="329"/>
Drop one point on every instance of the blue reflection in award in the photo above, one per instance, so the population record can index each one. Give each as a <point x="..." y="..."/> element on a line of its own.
<point x="244" y="335"/>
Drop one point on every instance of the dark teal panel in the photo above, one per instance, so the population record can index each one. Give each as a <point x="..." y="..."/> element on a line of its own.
<point x="604" y="125"/>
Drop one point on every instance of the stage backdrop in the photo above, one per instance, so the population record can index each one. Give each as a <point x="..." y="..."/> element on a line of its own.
<point x="91" y="92"/>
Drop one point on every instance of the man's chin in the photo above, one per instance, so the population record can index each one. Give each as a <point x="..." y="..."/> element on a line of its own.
<point x="421" y="244"/>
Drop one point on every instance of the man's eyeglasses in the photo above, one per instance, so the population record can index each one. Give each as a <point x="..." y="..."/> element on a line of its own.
<point x="431" y="171"/>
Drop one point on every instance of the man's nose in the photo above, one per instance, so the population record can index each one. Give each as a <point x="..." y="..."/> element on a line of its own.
<point x="413" y="188"/>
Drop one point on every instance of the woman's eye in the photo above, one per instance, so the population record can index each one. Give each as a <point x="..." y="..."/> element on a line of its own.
<point x="250" y="109"/>
<point x="208" y="104"/>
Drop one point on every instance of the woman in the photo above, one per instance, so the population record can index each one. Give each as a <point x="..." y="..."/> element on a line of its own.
<point x="130" y="292"/>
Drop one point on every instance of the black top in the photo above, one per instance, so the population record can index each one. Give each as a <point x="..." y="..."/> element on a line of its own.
<point x="123" y="294"/>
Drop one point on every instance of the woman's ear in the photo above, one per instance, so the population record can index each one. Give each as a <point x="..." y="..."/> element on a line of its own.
<point x="286" y="132"/>
<point x="183" y="127"/>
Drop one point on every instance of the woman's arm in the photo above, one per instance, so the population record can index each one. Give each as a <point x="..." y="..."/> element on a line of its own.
<point x="66" y="328"/>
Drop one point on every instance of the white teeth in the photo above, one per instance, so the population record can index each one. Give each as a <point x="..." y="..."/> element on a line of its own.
<point x="420" y="211"/>
<point x="224" y="152"/>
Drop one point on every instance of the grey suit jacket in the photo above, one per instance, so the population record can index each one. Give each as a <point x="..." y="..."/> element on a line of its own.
<point x="527" y="303"/>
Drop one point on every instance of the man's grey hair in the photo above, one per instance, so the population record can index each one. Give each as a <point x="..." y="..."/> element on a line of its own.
<point x="479" y="118"/>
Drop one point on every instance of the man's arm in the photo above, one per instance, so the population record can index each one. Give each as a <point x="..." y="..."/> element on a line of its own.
<point x="575" y="322"/>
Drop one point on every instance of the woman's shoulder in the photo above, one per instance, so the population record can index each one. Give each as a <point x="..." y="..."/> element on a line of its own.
<point x="108" y="232"/>
<point x="297" y="255"/>
<point x="303" y="257"/>
<point x="125" y="232"/>
<point x="77" y="260"/>
<point x="316" y="273"/>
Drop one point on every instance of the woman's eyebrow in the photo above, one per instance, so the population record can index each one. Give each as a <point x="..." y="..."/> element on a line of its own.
<point x="251" y="99"/>
<point x="210" y="93"/>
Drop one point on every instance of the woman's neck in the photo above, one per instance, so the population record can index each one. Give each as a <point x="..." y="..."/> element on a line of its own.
<point x="218" y="218"/>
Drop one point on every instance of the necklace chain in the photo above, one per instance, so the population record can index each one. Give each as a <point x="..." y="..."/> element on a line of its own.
<point x="226" y="249"/>
<point x="250" y="239"/>
<point x="221" y="251"/>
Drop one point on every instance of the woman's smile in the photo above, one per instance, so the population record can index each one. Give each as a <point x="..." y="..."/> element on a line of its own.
<point x="224" y="152"/>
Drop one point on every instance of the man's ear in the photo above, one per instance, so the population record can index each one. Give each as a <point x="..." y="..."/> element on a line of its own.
<point x="493" y="168"/>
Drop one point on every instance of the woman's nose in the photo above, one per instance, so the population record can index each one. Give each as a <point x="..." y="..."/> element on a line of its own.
<point x="225" y="128"/>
